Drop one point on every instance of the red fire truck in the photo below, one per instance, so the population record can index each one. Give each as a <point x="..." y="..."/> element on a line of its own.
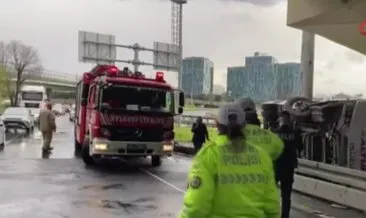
<point x="124" y="114"/>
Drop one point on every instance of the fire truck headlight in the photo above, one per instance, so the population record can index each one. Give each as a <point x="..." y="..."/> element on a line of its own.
<point x="168" y="147"/>
<point x="100" y="146"/>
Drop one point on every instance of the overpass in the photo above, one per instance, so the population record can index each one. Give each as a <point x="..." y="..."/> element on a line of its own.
<point x="64" y="86"/>
<point x="337" y="20"/>
<point x="343" y="22"/>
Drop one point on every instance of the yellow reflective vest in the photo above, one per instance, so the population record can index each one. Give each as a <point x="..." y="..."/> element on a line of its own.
<point x="264" y="138"/>
<point x="225" y="183"/>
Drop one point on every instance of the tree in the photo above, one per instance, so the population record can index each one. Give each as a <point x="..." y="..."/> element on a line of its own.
<point x="19" y="58"/>
<point x="4" y="84"/>
<point x="4" y="77"/>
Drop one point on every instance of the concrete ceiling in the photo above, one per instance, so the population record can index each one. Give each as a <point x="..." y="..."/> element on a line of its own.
<point x="333" y="19"/>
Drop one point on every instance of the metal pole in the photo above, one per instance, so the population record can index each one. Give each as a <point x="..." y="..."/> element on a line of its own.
<point x="180" y="72"/>
<point x="192" y="87"/>
<point x="136" y="57"/>
<point x="307" y="64"/>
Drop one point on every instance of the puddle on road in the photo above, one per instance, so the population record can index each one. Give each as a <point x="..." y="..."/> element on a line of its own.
<point x="129" y="207"/>
<point x="103" y="187"/>
<point x="28" y="206"/>
<point x="61" y="132"/>
<point x="115" y="204"/>
<point x="65" y="177"/>
<point x="22" y="145"/>
<point x="147" y="199"/>
<point x="38" y="135"/>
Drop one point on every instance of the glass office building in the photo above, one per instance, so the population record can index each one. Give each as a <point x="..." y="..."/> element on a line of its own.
<point x="197" y="76"/>
<point x="288" y="76"/>
<point x="263" y="79"/>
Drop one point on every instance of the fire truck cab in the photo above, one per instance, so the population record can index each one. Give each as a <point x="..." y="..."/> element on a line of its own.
<point x="120" y="113"/>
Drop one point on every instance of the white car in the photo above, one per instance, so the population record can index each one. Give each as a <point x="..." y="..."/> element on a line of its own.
<point x="58" y="109"/>
<point x="2" y="134"/>
<point x="18" y="117"/>
<point x="35" y="112"/>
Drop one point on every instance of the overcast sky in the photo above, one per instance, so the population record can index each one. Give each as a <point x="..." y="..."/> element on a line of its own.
<point x="224" y="31"/>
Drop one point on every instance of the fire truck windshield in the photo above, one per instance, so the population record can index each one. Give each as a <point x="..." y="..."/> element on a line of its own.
<point x="136" y="99"/>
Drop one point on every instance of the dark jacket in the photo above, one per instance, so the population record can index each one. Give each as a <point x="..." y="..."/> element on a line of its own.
<point x="292" y="147"/>
<point x="251" y="117"/>
<point x="200" y="133"/>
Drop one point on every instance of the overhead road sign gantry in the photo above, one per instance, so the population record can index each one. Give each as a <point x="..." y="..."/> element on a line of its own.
<point x="102" y="49"/>
<point x="166" y="56"/>
<point x="97" y="48"/>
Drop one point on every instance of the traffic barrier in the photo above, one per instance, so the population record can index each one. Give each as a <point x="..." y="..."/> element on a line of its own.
<point x="335" y="174"/>
<point x="339" y="194"/>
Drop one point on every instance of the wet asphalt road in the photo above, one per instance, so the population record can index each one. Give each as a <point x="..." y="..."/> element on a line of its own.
<point x="62" y="187"/>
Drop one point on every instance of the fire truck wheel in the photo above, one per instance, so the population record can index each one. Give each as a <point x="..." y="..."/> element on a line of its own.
<point x="156" y="161"/>
<point x="88" y="160"/>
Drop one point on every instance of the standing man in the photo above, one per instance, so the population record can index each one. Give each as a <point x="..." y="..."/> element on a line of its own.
<point x="200" y="134"/>
<point x="287" y="162"/>
<point x="47" y="126"/>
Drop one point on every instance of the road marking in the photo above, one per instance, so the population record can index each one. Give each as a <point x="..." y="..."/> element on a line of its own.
<point x="163" y="180"/>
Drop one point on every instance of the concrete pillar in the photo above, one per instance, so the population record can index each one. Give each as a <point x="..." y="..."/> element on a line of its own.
<point x="49" y="93"/>
<point x="307" y="64"/>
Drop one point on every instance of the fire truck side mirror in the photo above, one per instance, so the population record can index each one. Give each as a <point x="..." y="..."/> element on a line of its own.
<point x="181" y="99"/>
<point x="84" y="101"/>
<point x="180" y="110"/>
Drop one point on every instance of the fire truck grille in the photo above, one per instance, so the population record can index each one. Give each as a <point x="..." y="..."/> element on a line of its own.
<point x="136" y="134"/>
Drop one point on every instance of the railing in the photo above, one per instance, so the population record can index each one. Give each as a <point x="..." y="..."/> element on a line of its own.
<point x="188" y="120"/>
<point x="333" y="183"/>
<point x="48" y="76"/>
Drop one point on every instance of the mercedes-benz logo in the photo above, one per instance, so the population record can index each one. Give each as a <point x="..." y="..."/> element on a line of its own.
<point x="138" y="132"/>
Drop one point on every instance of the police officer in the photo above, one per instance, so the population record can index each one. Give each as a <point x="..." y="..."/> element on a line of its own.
<point x="47" y="126"/>
<point x="271" y="143"/>
<point x="287" y="162"/>
<point x="231" y="177"/>
<point x="200" y="134"/>
<point x="248" y="106"/>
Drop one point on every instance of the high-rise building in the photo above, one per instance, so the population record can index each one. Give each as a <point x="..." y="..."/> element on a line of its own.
<point x="263" y="79"/>
<point x="288" y="76"/>
<point x="197" y="76"/>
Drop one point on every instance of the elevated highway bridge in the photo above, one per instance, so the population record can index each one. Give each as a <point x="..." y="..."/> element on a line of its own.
<point x="340" y="21"/>
<point x="63" y="86"/>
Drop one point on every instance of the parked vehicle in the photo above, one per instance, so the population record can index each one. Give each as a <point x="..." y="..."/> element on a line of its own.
<point x="32" y="96"/>
<point x="18" y="118"/>
<point x="66" y="108"/>
<point x="35" y="112"/>
<point x="2" y="134"/>
<point x="72" y="113"/>
<point x="58" y="109"/>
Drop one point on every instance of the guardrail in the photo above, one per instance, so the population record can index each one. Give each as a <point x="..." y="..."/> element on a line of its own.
<point x="188" y="120"/>
<point x="332" y="183"/>
<point x="335" y="174"/>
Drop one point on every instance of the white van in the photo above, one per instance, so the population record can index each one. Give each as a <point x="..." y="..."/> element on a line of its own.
<point x="32" y="96"/>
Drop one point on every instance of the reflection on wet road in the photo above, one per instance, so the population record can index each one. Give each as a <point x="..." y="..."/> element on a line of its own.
<point x="24" y="147"/>
<point x="62" y="186"/>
